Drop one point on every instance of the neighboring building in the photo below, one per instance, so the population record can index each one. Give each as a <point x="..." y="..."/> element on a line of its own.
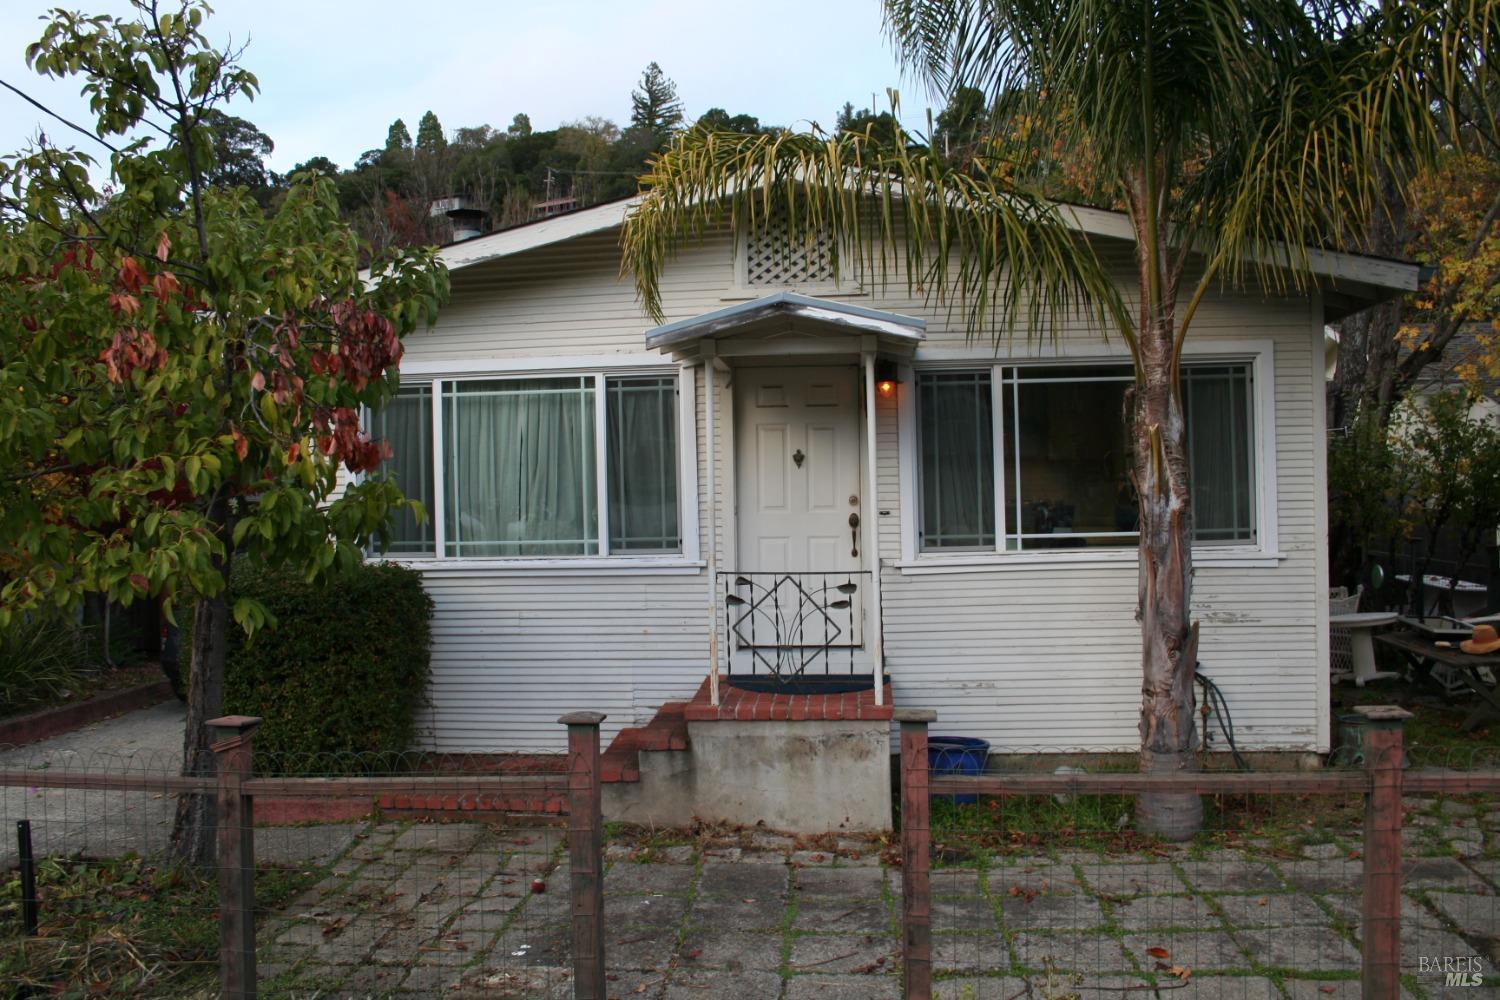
<point x="586" y="472"/>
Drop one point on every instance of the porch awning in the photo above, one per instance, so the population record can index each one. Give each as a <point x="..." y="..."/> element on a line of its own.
<point x="790" y="314"/>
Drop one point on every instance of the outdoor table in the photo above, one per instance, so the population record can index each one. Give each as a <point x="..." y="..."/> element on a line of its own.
<point x="1425" y="654"/>
<point x="1361" y="625"/>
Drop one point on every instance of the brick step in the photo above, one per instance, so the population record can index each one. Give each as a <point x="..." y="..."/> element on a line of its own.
<point x="666" y="731"/>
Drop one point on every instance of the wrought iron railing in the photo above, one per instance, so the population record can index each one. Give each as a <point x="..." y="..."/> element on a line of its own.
<point x="789" y="626"/>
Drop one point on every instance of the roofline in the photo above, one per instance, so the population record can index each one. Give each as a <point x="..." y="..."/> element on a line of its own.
<point x="1335" y="265"/>
<point x="878" y="321"/>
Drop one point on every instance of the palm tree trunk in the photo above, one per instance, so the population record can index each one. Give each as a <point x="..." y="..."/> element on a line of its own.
<point x="1169" y="639"/>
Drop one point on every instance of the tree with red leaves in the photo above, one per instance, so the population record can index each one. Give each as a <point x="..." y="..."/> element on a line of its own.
<point x="181" y="374"/>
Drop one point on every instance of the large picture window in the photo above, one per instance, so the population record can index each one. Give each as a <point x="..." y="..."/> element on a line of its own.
<point x="1062" y="462"/>
<point x="522" y="461"/>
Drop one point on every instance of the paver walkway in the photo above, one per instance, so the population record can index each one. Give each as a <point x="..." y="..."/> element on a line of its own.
<point x="451" y="910"/>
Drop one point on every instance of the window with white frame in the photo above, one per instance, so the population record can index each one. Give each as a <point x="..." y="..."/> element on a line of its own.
<point x="522" y="461"/>
<point x="406" y="422"/>
<point x="1038" y="456"/>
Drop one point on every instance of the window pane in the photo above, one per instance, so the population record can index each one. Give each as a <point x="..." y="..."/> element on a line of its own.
<point x="958" y="460"/>
<point x="642" y="421"/>
<point x="406" y="422"/>
<point x="1073" y="460"/>
<point x="1217" y="404"/>
<point x="519" y="468"/>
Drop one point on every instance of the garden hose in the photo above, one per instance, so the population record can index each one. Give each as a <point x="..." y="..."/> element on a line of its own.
<point x="1215" y="699"/>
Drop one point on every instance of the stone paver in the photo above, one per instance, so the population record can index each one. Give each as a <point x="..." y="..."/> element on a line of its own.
<point x="752" y="923"/>
<point x="821" y="987"/>
<point x="851" y="953"/>
<point x="1277" y="909"/>
<point x="1145" y="912"/>
<point x="1071" y="951"/>
<point x="1021" y="913"/>
<point x="1314" y="949"/>
<point x="1196" y="950"/>
<point x="1132" y="880"/>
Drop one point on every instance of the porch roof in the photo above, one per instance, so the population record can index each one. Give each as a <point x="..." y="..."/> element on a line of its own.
<point x="891" y="330"/>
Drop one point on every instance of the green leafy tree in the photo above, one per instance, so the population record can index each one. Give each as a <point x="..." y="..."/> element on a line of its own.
<point x="397" y="137"/>
<point x="961" y="124"/>
<point x="430" y="138"/>
<point x="520" y="126"/>
<point x="239" y="152"/>
<point x="654" y="108"/>
<point x="181" y="373"/>
<point x="1213" y="122"/>
<point x="719" y="120"/>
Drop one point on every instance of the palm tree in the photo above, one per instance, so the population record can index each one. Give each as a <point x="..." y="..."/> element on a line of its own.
<point x="1233" y="134"/>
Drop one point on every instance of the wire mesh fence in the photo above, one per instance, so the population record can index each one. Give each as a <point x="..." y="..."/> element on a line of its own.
<point x="1048" y="890"/>
<point x="358" y="876"/>
<point x="431" y="875"/>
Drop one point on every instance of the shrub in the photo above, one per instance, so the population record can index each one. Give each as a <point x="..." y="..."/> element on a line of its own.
<point x="340" y="676"/>
<point x="41" y="660"/>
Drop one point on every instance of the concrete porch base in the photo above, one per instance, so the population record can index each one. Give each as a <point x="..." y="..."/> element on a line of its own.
<point x="798" y="764"/>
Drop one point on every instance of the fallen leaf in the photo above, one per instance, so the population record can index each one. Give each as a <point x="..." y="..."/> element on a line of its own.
<point x="1158" y="952"/>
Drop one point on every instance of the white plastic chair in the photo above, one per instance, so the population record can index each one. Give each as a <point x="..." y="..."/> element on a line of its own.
<point x="1340" y="642"/>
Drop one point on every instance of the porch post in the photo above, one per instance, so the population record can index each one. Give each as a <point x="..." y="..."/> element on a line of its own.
<point x="871" y="540"/>
<point x="711" y="446"/>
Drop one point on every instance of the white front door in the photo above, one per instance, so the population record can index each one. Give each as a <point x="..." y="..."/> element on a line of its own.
<point x="799" y="500"/>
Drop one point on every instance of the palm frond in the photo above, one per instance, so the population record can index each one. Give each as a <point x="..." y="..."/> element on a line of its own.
<point x="972" y="240"/>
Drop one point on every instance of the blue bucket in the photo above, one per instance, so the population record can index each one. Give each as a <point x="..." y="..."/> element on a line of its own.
<point x="957" y="755"/>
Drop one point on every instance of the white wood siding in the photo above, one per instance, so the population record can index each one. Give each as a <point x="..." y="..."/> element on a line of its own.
<point x="1040" y="656"/>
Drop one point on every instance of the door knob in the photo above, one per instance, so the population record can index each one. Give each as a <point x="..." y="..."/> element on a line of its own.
<point x="854" y="535"/>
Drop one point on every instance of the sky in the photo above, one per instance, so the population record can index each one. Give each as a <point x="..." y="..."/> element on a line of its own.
<point x="334" y="75"/>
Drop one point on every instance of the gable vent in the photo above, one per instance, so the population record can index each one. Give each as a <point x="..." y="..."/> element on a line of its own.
<point x="772" y="259"/>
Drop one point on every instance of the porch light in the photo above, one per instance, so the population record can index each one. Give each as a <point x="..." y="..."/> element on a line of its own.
<point x="885" y="379"/>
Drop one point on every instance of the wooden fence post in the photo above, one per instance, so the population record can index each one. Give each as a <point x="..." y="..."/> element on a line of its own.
<point x="1380" y="973"/>
<point x="916" y="854"/>
<point x="233" y="735"/>
<point x="586" y="853"/>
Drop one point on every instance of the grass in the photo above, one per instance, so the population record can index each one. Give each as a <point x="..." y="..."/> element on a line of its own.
<point x="123" y="927"/>
<point x="966" y="833"/>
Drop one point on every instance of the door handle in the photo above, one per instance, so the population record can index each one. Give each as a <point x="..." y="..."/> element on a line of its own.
<point x="854" y="535"/>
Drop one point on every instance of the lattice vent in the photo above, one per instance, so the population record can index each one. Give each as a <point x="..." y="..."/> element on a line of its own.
<point x="772" y="258"/>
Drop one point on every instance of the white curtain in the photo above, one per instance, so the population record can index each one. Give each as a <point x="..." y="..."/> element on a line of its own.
<point x="406" y="422"/>
<point x="519" y="461"/>
<point x="643" y="465"/>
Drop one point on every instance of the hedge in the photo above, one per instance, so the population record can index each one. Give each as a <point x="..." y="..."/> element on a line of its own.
<point x="341" y="675"/>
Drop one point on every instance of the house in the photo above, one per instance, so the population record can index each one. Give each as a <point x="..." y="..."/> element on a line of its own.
<point x="618" y="505"/>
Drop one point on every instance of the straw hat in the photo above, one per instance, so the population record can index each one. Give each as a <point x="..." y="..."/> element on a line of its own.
<point x="1484" y="640"/>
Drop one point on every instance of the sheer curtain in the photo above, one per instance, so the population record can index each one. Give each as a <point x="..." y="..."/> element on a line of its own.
<point x="406" y="422"/>
<point x="642" y="465"/>
<point x="958" y="461"/>
<point x="519" y="464"/>
<point x="1221" y="461"/>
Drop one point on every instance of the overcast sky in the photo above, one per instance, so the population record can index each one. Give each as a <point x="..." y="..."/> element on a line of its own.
<point x="334" y="75"/>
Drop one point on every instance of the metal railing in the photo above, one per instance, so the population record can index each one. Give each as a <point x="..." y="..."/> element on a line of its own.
<point x="792" y="626"/>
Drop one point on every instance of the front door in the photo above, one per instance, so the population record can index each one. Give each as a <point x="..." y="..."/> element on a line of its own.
<point x="797" y="448"/>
